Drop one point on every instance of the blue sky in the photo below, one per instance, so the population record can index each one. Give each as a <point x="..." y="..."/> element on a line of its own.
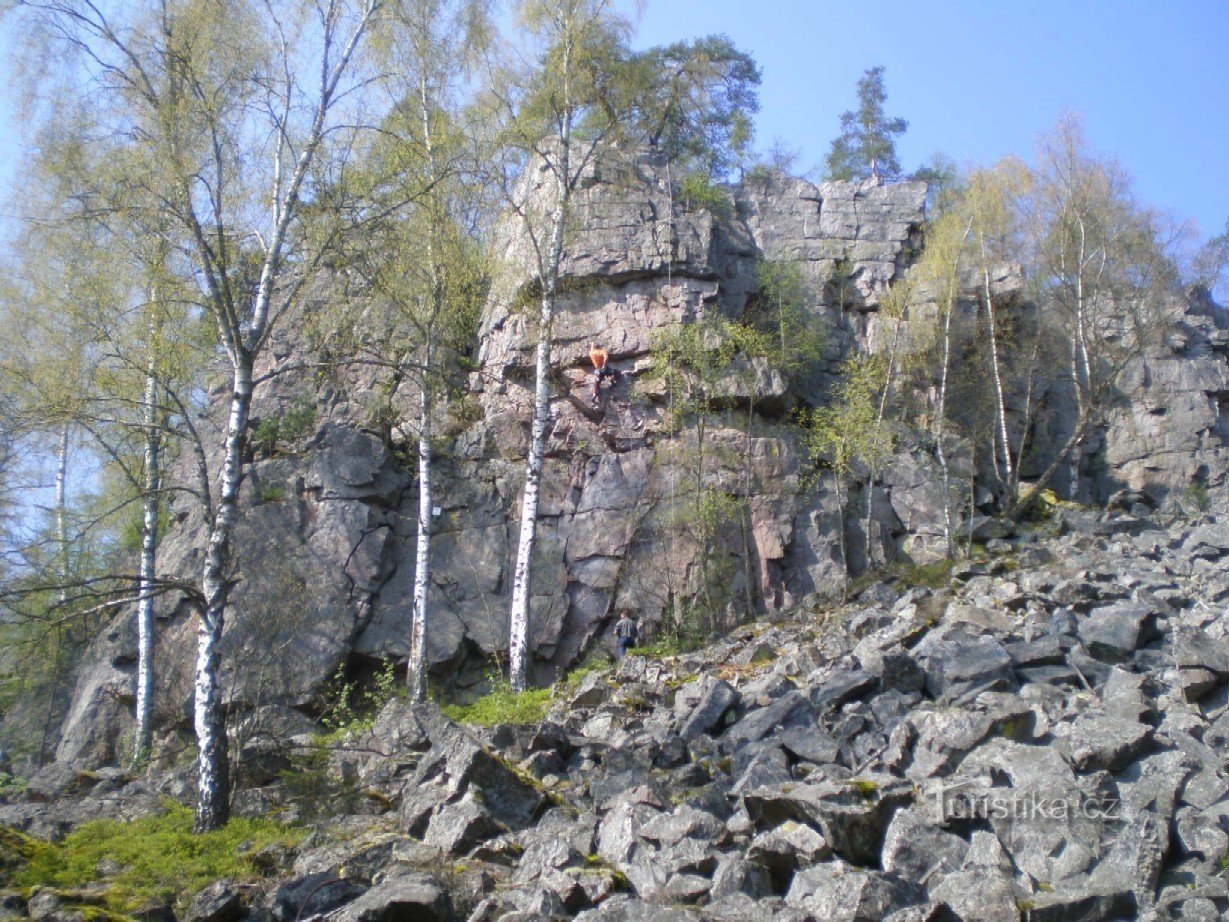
<point x="979" y="80"/>
<point x="976" y="80"/>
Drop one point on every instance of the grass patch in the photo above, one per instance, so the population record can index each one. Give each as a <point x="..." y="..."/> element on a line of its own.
<point x="502" y="705"/>
<point x="667" y="645"/>
<point x="160" y="855"/>
<point x="931" y="575"/>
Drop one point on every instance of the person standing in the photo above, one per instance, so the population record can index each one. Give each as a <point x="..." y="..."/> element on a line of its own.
<point x="626" y="632"/>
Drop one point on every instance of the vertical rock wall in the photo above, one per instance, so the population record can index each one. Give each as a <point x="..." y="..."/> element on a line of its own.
<point x="325" y="546"/>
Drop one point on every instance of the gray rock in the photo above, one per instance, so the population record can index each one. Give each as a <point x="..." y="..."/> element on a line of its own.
<point x="901" y="672"/>
<point x="851" y="815"/>
<point x="398" y="897"/>
<point x="1114" y="632"/>
<point x="977" y="894"/>
<point x="960" y="663"/>
<point x="1099" y="741"/>
<point x="842" y="893"/>
<point x="707" y="715"/>
<point x="685" y="822"/>
<point x="915" y="848"/>
<point x="221" y="901"/>
<point x="313" y="894"/>
<point x="785" y="849"/>
<point x="1081" y="906"/>
<point x="458" y="827"/>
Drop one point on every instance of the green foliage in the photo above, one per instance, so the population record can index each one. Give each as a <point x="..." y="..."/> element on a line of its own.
<point x="271" y="493"/>
<point x="670" y="643"/>
<point x="353" y="706"/>
<point x="299" y="420"/>
<point x="11" y="785"/>
<point x="1198" y="497"/>
<point x="792" y="337"/>
<point x="132" y="529"/>
<point x="698" y="191"/>
<point x="867" y="143"/>
<point x="292" y="425"/>
<point x="847" y="432"/>
<point x="694" y="100"/>
<point x="501" y="705"/>
<point x="160" y="856"/>
<point x="264" y="437"/>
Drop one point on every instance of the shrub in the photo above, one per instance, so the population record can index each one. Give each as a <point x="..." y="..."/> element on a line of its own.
<point x="698" y="191"/>
<point x="352" y="708"/>
<point x="1198" y="497"/>
<point x="299" y="420"/>
<point x="270" y="493"/>
<point x="160" y="855"/>
<point x="264" y="436"/>
<point x="932" y="575"/>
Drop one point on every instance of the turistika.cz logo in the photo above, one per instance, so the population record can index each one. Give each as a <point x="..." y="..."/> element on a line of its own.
<point x="963" y="801"/>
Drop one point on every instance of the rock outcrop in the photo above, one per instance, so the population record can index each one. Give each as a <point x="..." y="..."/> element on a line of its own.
<point x="1039" y="735"/>
<point x="324" y="554"/>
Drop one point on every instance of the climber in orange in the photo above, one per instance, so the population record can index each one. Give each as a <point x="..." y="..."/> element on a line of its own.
<point x="597" y="355"/>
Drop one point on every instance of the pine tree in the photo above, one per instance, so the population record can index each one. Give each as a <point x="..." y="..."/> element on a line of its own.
<point x="866" y="146"/>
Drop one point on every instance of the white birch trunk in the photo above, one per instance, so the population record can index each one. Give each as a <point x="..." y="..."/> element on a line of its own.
<point x="1000" y="402"/>
<point x="213" y="802"/>
<point x="61" y="510"/>
<point x="149" y="543"/>
<point x="416" y="671"/>
<point x="518" y="634"/>
<point x="941" y="426"/>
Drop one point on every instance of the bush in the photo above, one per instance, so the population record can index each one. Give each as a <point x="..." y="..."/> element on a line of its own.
<point x="932" y="575"/>
<point x="299" y="420"/>
<point x="160" y="856"/>
<point x="264" y="436"/>
<point x="1198" y="497"/>
<point x="353" y="709"/>
<point x="698" y="191"/>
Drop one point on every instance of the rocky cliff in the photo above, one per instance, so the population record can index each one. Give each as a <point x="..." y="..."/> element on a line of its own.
<point x="1040" y="735"/>
<point x="325" y="546"/>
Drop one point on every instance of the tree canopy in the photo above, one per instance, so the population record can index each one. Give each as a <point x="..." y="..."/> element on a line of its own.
<point x="866" y="146"/>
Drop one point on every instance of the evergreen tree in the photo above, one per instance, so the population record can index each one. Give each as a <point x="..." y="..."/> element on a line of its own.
<point x="866" y="146"/>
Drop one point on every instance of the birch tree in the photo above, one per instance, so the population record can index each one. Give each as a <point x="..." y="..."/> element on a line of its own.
<point x="236" y="111"/>
<point x="421" y="257"/>
<point x="941" y="271"/>
<point x="1105" y="278"/>
<point x="560" y="117"/>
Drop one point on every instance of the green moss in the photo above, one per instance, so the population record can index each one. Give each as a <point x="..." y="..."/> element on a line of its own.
<point x="594" y="663"/>
<point x="932" y="575"/>
<point x="503" y="706"/>
<point x="16" y="851"/>
<point x="160" y="855"/>
<point x="868" y="789"/>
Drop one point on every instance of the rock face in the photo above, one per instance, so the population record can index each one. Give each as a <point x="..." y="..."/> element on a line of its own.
<point x="325" y="546"/>
<point x="886" y="759"/>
